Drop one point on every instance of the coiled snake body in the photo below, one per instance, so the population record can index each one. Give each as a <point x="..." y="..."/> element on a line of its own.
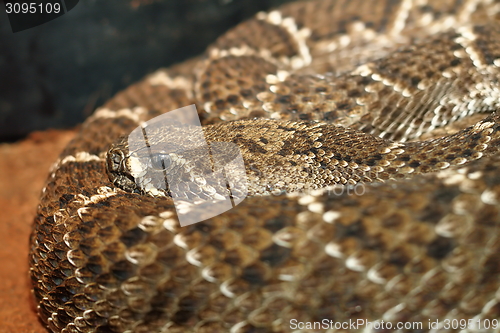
<point x="418" y="242"/>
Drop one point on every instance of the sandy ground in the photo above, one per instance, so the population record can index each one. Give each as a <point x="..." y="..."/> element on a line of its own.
<point x="23" y="169"/>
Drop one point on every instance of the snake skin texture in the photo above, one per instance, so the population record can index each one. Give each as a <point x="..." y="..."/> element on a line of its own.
<point x="387" y="107"/>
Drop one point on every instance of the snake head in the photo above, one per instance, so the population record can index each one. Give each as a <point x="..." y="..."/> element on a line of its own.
<point x="141" y="171"/>
<point x="174" y="162"/>
<point x="116" y="167"/>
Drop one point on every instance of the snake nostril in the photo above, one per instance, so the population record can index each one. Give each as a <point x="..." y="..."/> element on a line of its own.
<point x="114" y="160"/>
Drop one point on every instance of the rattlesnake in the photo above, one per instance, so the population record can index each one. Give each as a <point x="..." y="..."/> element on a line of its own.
<point x="419" y="244"/>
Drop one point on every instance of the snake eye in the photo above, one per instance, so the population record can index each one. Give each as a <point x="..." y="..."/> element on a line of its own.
<point x="161" y="161"/>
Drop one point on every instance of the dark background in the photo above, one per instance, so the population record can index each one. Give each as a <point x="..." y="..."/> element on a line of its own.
<point x="54" y="75"/>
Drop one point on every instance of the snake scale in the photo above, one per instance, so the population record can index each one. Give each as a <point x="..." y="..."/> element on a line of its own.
<point x="386" y="108"/>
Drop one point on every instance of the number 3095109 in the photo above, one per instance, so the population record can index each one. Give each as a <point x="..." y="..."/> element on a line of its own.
<point x="33" y="8"/>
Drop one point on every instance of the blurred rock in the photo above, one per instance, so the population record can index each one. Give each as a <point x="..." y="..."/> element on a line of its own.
<point x="54" y="75"/>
